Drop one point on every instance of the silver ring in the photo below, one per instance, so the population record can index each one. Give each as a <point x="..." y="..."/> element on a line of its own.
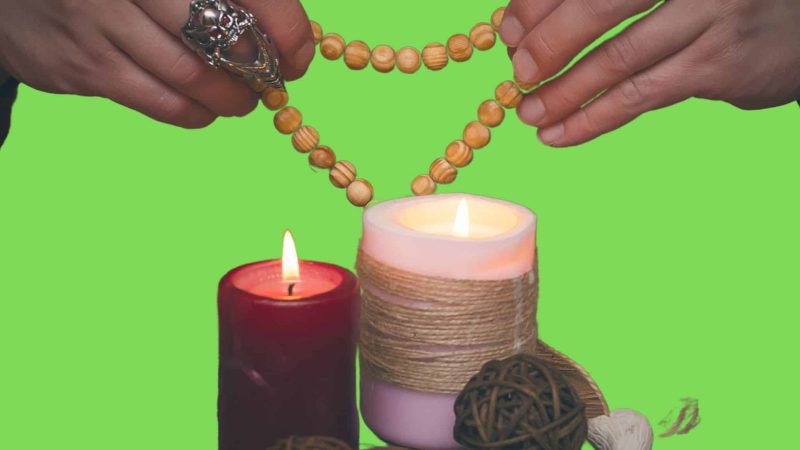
<point x="214" y="26"/>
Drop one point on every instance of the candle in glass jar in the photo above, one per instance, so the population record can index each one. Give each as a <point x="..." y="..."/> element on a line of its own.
<point x="287" y="339"/>
<point x="453" y="236"/>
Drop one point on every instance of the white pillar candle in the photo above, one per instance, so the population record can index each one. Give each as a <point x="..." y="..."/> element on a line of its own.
<point x="421" y="235"/>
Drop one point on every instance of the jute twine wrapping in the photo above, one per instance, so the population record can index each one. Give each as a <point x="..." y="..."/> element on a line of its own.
<point x="433" y="334"/>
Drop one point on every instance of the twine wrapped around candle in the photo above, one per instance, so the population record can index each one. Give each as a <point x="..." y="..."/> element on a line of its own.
<point x="432" y="334"/>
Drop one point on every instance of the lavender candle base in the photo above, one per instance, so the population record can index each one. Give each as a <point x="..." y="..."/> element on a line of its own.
<point x="408" y="418"/>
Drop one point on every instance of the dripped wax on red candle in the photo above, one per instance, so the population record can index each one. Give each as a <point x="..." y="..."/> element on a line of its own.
<point x="287" y="363"/>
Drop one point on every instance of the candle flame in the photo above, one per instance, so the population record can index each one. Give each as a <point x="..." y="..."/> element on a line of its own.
<point x="461" y="224"/>
<point x="289" y="262"/>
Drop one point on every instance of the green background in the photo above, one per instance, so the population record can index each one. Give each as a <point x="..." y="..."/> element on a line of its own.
<point x="668" y="249"/>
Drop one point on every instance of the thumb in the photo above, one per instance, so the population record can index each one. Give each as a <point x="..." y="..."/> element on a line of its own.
<point x="286" y="23"/>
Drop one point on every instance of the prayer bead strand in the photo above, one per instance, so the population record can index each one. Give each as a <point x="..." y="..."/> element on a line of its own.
<point x="477" y="135"/>
<point x="306" y="139"/>
<point x="357" y="55"/>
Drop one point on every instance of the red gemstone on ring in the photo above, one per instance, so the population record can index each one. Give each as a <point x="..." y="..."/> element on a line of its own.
<point x="225" y="21"/>
<point x="214" y="33"/>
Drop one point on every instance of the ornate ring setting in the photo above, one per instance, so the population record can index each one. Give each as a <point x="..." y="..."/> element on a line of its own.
<point x="214" y="26"/>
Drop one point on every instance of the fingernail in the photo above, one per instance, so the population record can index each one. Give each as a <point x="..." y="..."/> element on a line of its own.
<point x="511" y="31"/>
<point x="531" y="110"/>
<point x="525" y="68"/>
<point x="551" y="134"/>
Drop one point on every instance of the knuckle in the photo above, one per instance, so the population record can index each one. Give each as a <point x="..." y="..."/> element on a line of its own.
<point x="633" y="91"/>
<point x="187" y="72"/>
<point x="600" y="9"/>
<point x="559" y="97"/>
<point x="541" y="48"/>
<point x="619" y="55"/>
<point x="102" y="58"/>
<point x="172" y="108"/>
<point x="587" y="122"/>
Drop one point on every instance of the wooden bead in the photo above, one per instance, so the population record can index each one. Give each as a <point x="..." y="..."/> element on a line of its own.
<point x="443" y="172"/>
<point x="317" y="30"/>
<point x="458" y="154"/>
<point x="483" y="36"/>
<point x="342" y="174"/>
<point x="497" y="17"/>
<point x="435" y="56"/>
<point x="332" y="46"/>
<point x="491" y="114"/>
<point x="476" y="135"/>
<point x="523" y="85"/>
<point x="459" y="48"/>
<point x="508" y="94"/>
<point x="274" y="99"/>
<point x="305" y="139"/>
<point x="357" y="55"/>
<point x="288" y="120"/>
<point x="423" y="185"/>
<point x="408" y="60"/>
<point x="383" y="58"/>
<point x="360" y="192"/>
<point x="322" y="157"/>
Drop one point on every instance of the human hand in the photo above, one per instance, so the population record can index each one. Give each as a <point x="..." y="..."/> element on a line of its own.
<point x="745" y="52"/>
<point x="130" y="51"/>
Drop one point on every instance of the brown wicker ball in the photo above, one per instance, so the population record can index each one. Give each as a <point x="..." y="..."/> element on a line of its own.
<point x="310" y="443"/>
<point x="519" y="403"/>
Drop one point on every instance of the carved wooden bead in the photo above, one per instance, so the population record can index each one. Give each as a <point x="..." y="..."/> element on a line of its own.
<point x="360" y="192"/>
<point x="322" y="157"/>
<point x="443" y="172"/>
<point x="305" y="139"/>
<point x="288" y="120"/>
<point x="459" y="48"/>
<point x="423" y="185"/>
<point x="476" y="135"/>
<point x="523" y="85"/>
<point x="332" y="46"/>
<point x="317" y="30"/>
<point x="508" y="94"/>
<point x="408" y="60"/>
<point x="483" y="36"/>
<point x="491" y="114"/>
<point x="357" y="55"/>
<point x="458" y="154"/>
<point x="342" y="174"/>
<point x="274" y="99"/>
<point x="497" y="17"/>
<point x="383" y="58"/>
<point x="435" y="56"/>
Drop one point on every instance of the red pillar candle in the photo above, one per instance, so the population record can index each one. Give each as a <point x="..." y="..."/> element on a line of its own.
<point x="287" y="342"/>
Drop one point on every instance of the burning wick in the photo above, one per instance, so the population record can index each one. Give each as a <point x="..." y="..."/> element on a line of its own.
<point x="289" y="264"/>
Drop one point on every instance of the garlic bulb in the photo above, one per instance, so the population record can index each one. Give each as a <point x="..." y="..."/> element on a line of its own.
<point x="623" y="429"/>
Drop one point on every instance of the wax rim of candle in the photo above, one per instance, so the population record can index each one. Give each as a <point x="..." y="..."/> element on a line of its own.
<point x="348" y="284"/>
<point x="385" y="215"/>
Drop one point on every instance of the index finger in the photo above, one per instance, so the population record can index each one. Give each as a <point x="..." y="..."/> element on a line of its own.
<point x="572" y="26"/>
<point x="521" y="16"/>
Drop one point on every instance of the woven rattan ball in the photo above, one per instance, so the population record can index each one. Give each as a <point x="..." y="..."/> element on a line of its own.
<point x="310" y="443"/>
<point x="519" y="403"/>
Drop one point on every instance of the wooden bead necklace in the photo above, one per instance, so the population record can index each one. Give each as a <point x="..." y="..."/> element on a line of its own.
<point x="357" y="55"/>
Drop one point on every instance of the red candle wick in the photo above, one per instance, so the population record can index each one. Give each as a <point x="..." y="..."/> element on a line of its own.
<point x="291" y="289"/>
